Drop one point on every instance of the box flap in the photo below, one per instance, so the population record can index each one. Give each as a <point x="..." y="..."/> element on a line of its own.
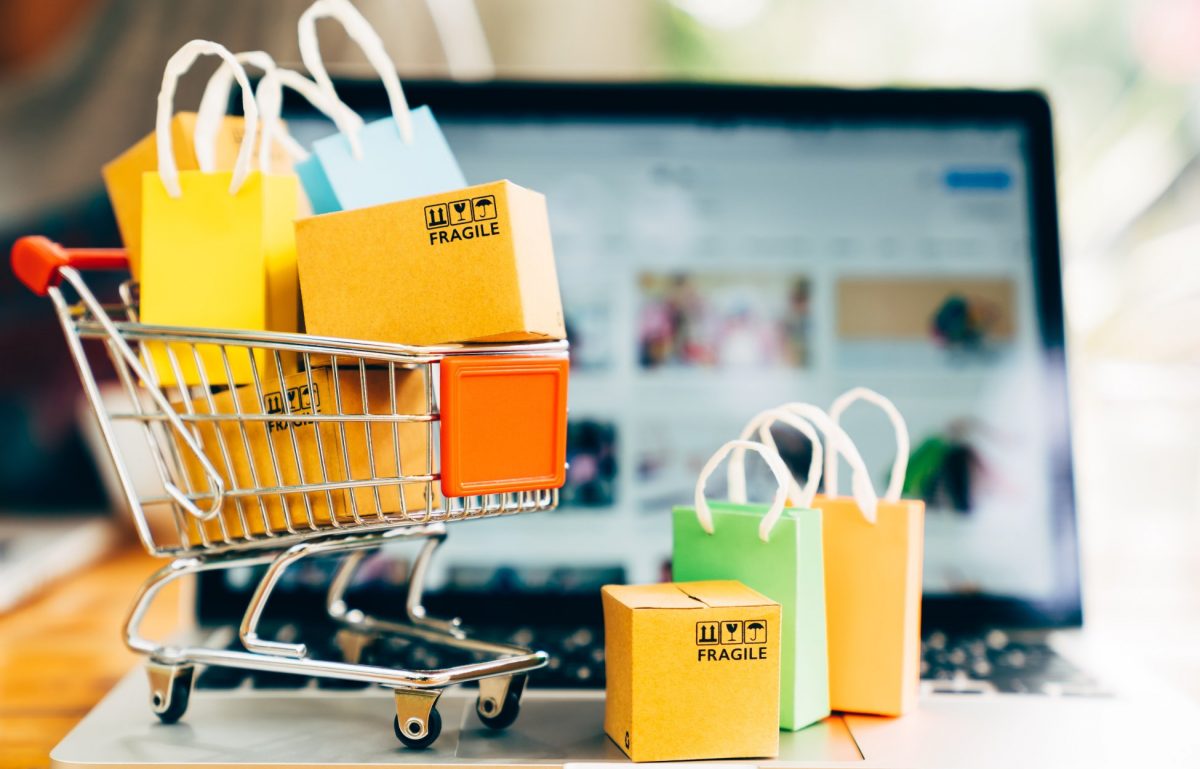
<point x="661" y="596"/>
<point x="722" y="593"/>
<point x="687" y="595"/>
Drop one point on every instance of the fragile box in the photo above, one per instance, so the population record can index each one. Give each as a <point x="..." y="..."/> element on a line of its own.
<point x="263" y="452"/>
<point x="692" y="671"/>
<point x="470" y="265"/>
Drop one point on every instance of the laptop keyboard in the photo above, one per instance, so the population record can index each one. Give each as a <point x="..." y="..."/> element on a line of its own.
<point x="994" y="661"/>
<point x="951" y="663"/>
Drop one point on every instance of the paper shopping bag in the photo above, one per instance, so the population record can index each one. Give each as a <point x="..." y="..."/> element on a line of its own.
<point x="777" y="552"/>
<point x="873" y="557"/>
<point x="123" y="176"/>
<point x="873" y="595"/>
<point x="218" y="249"/>
<point x="872" y="554"/>
<point x="205" y="140"/>
<point x="395" y="158"/>
<point x="269" y="96"/>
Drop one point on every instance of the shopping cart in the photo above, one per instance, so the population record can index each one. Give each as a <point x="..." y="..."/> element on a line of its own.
<point x="272" y="447"/>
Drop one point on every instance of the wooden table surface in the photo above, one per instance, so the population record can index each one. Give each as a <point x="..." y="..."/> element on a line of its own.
<point x="61" y="652"/>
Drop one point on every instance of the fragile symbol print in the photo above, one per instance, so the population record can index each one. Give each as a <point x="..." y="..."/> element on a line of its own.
<point x="747" y="638"/>
<point x="480" y="209"/>
<point x="459" y="220"/>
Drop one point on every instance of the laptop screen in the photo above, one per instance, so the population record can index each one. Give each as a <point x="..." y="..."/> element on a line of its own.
<point x="711" y="269"/>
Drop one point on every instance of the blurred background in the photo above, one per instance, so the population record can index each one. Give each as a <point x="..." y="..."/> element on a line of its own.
<point x="77" y="86"/>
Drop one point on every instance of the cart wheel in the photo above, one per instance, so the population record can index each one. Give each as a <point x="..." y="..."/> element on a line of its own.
<point x="433" y="730"/>
<point x="170" y="689"/>
<point x="500" y="716"/>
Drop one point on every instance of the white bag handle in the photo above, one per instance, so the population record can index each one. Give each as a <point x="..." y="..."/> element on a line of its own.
<point x="773" y="460"/>
<point x="214" y="101"/>
<point x="177" y="65"/>
<point x="736" y="469"/>
<point x="836" y="440"/>
<point x="361" y="32"/>
<point x="899" y="466"/>
<point x="270" y="100"/>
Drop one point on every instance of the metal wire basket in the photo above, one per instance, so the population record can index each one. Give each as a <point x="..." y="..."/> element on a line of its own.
<point x="270" y="447"/>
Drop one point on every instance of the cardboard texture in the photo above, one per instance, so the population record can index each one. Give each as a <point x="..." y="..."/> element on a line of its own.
<point x="471" y="265"/>
<point x="522" y="446"/>
<point x="789" y="569"/>
<point x="390" y="169"/>
<point x="248" y="461"/>
<point x="212" y="259"/>
<point x="692" y="671"/>
<point x="873" y="600"/>
<point x="123" y="174"/>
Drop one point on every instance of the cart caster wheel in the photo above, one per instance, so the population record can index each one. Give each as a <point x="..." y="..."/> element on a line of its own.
<point x="170" y="689"/>
<point x="433" y="730"/>
<point x="496" y="716"/>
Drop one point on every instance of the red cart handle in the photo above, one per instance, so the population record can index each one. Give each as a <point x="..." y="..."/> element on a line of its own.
<point x="36" y="261"/>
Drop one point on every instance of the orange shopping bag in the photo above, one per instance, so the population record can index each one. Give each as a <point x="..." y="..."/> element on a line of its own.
<point x="873" y="554"/>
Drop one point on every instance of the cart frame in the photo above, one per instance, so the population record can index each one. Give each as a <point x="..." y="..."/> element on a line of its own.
<point x="172" y="430"/>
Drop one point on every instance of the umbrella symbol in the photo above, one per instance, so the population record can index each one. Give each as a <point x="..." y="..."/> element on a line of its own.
<point x="483" y="205"/>
<point x="753" y="629"/>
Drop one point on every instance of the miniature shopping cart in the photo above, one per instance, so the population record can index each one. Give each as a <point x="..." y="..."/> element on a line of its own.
<point x="271" y="447"/>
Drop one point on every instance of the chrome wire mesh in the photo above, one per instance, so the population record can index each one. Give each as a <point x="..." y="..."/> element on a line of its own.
<point x="279" y="436"/>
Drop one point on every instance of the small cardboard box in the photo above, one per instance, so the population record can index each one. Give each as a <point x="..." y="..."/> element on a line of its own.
<point x="249" y="460"/>
<point x="470" y="265"/>
<point x="693" y="671"/>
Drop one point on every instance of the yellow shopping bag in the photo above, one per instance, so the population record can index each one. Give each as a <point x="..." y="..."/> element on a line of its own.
<point x="205" y="140"/>
<point x="218" y="248"/>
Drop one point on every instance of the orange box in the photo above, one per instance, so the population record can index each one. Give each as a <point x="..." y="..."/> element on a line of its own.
<point x="504" y="424"/>
<point x="873" y="604"/>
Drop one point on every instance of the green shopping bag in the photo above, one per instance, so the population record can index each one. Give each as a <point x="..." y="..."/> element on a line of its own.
<point x="775" y="550"/>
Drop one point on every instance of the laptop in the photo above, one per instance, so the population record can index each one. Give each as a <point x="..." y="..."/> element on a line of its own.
<point x="722" y="249"/>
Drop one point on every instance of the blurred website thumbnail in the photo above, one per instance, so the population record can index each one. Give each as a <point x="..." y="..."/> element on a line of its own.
<point x="723" y="320"/>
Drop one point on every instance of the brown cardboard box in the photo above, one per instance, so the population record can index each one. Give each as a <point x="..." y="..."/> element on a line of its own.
<point x="471" y="265"/>
<point x="251" y="455"/>
<point x="693" y="671"/>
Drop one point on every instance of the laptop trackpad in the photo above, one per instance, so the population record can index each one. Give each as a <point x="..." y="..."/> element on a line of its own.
<point x="570" y="727"/>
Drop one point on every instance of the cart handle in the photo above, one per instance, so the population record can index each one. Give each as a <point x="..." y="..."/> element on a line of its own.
<point x="36" y="261"/>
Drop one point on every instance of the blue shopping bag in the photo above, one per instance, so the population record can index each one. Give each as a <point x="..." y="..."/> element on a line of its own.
<point x="395" y="158"/>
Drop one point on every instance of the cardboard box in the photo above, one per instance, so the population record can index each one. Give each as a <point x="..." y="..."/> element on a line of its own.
<point x="123" y="174"/>
<point x="240" y="459"/>
<point x="693" y="671"/>
<point x="470" y="265"/>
